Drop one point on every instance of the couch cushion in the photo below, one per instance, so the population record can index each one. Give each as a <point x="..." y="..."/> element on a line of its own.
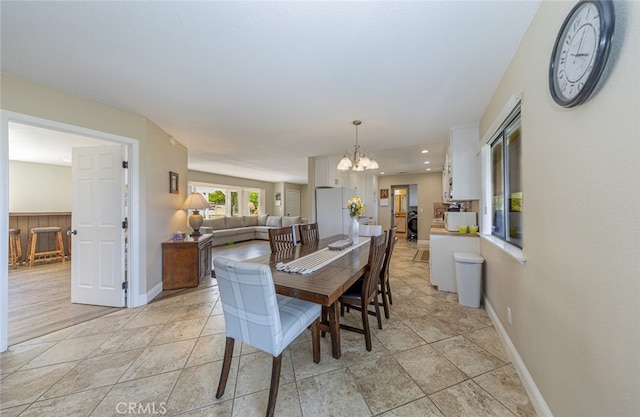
<point x="250" y="220"/>
<point x="291" y="220"/>
<point x="262" y="219"/>
<point x="215" y="224"/>
<point x="274" y="221"/>
<point x="234" y="222"/>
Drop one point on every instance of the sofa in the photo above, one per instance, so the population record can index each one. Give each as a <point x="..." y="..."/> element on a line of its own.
<point x="228" y="230"/>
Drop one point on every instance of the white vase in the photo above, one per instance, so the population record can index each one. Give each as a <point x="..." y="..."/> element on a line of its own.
<point x="355" y="230"/>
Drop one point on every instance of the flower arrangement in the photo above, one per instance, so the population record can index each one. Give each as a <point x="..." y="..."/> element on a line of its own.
<point x="355" y="206"/>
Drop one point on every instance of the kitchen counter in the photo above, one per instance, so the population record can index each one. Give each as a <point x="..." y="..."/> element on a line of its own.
<point x="442" y="245"/>
<point x="437" y="228"/>
<point x="444" y="232"/>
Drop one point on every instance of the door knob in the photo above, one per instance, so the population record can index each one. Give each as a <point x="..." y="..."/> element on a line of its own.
<point x="72" y="232"/>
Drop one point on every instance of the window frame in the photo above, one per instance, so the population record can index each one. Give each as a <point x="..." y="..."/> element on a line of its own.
<point x="511" y="112"/>
<point x="506" y="221"/>
<point x="513" y="103"/>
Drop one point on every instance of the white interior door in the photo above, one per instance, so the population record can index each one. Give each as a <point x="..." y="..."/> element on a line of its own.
<point x="292" y="202"/>
<point x="97" y="261"/>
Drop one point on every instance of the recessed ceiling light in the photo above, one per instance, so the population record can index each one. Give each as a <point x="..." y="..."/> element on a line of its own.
<point x="66" y="160"/>
<point x="424" y="151"/>
<point x="382" y="173"/>
<point x="428" y="169"/>
<point x="426" y="162"/>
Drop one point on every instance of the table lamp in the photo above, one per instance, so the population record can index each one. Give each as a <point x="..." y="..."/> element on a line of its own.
<point x="196" y="202"/>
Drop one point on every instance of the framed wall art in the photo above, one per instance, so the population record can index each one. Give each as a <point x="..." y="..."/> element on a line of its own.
<point x="384" y="197"/>
<point x="173" y="182"/>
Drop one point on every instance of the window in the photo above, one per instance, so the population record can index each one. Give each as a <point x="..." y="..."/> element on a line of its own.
<point x="254" y="203"/>
<point x="217" y="200"/>
<point x="506" y="181"/>
<point x="231" y="201"/>
<point x="234" y="203"/>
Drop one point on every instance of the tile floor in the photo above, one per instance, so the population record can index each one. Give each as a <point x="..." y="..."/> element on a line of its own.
<point x="432" y="358"/>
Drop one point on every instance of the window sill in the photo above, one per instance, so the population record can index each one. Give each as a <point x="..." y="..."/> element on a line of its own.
<point x="513" y="251"/>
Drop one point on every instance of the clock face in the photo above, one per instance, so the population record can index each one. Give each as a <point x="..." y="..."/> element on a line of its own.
<point x="580" y="53"/>
<point x="574" y="63"/>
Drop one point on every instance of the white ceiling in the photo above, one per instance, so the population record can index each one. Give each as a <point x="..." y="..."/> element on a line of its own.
<point x="254" y="88"/>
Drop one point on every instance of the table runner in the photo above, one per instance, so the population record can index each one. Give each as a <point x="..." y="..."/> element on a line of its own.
<point x="314" y="261"/>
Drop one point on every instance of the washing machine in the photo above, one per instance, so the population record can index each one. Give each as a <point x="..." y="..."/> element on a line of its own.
<point x="412" y="226"/>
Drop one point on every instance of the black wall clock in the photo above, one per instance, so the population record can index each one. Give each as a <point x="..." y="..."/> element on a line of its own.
<point x="581" y="51"/>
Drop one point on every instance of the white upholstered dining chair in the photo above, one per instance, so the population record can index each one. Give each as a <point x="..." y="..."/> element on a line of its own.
<point x="254" y="314"/>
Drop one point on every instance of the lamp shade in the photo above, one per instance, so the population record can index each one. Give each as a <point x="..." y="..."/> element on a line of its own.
<point x="196" y="201"/>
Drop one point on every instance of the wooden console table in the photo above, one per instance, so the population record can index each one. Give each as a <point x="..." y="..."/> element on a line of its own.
<point x="185" y="262"/>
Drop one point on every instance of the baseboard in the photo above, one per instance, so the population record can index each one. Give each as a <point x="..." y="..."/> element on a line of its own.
<point x="153" y="293"/>
<point x="541" y="407"/>
<point x="422" y="242"/>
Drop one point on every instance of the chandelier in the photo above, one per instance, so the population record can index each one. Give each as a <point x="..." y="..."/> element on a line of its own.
<point x="359" y="161"/>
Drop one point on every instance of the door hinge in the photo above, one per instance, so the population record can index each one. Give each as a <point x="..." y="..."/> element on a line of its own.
<point x="125" y="285"/>
<point x="125" y="224"/>
<point x="125" y="164"/>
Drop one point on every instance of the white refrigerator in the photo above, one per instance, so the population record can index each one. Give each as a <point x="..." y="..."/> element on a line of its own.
<point x="331" y="210"/>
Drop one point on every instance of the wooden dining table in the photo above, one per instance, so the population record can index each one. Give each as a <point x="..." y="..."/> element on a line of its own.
<point x="324" y="286"/>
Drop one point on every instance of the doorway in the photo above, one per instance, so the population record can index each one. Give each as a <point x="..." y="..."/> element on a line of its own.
<point x="12" y="120"/>
<point x="404" y="210"/>
<point x="292" y="202"/>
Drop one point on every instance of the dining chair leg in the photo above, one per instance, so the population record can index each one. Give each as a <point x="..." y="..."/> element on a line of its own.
<point x="226" y="366"/>
<point x="385" y="299"/>
<point x="365" y="325"/>
<point x="315" y="340"/>
<point x="275" y="382"/>
<point x="389" y="291"/>
<point x="377" y="306"/>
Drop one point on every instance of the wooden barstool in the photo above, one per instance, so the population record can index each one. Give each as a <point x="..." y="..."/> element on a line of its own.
<point x="15" y="248"/>
<point x="58" y="253"/>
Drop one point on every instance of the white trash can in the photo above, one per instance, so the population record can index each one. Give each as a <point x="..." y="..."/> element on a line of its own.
<point x="469" y="278"/>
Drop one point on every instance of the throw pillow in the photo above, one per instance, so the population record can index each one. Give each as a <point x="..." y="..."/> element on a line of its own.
<point x="250" y="220"/>
<point x="274" y="221"/>
<point x="234" y="222"/>
<point x="262" y="219"/>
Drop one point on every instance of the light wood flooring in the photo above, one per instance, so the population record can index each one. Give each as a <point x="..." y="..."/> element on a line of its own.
<point x="40" y="296"/>
<point x="40" y="301"/>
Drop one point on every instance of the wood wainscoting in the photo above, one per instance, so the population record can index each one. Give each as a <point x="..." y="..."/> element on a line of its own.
<point x="26" y="221"/>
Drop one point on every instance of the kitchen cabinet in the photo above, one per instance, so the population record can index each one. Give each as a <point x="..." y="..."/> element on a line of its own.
<point x="461" y="166"/>
<point x="327" y="175"/>
<point x="442" y="246"/>
<point x="446" y="178"/>
<point x="185" y="262"/>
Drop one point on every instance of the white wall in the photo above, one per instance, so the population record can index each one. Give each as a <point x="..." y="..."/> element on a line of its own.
<point x="576" y="303"/>
<point x="37" y="188"/>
